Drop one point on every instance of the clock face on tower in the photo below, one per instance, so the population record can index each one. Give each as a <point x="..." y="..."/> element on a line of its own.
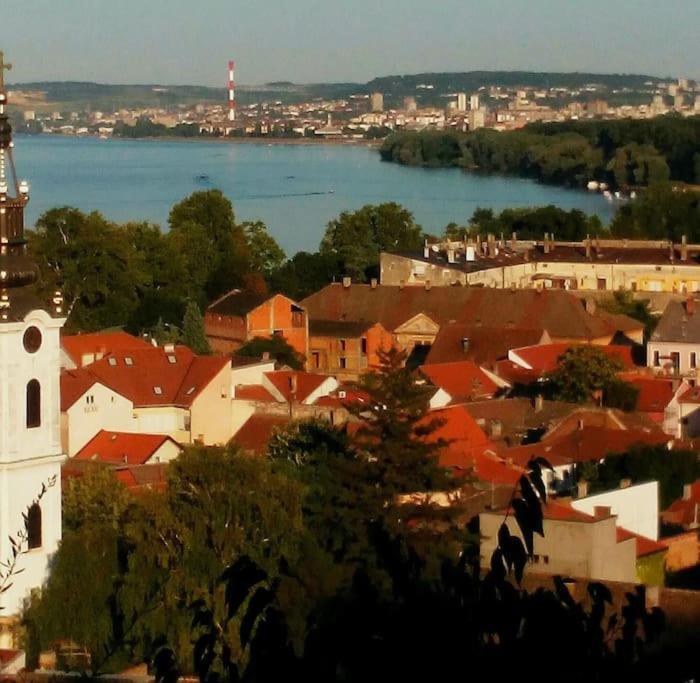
<point x="32" y="339"/>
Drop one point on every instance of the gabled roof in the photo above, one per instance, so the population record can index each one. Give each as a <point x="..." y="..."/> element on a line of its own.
<point x="141" y="478"/>
<point x="99" y="343"/>
<point x="122" y="447"/>
<point x="544" y="358"/>
<point x="686" y="509"/>
<point x="690" y="395"/>
<point x="463" y="381"/>
<point x="294" y="384"/>
<point x="74" y="383"/>
<point x="644" y="546"/>
<point x="256" y="432"/>
<point x="680" y="323"/>
<point x="157" y="377"/>
<point x="238" y="303"/>
<point x="562" y="314"/>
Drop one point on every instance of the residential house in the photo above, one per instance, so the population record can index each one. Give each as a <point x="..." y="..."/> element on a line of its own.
<point x="239" y="316"/>
<point x="154" y="390"/>
<point x="674" y="346"/>
<point x="462" y="381"/>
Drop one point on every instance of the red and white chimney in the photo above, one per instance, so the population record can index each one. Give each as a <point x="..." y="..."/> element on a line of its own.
<point x="231" y="91"/>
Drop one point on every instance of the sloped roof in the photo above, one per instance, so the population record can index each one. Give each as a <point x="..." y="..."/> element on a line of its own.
<point x="655" y="393"/>
<point x="562" y="314"/>
<point x="644" y="546"/>
<point x="79" y="345"/>
<point x="237" y="303"/>
<point x="463" y="381"/>
<point x="338" y="328"/>
<point x="253" y="392"/>
<point x="678" y="325"/>
<point x="141" y="478"/>
<point x="683" y="510"/>
<point x="156" y="377"/>
<point x="306" y="383"/>
<point x="256" y="432"/>
<point x="74" y="383"/>
<point x="545" y="357"/>
<point x="121" y="447"/>
<point x="486" y="344"/>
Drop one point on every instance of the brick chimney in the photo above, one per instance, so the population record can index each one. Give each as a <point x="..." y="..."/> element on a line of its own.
<point x="373" y="283"/>
<point x="625" y="483"/>
<point x="465" y="344"/>
<point x="347" y="281"/>
<point x="589" y="251"/>
<point x="590" y="306"/>
<point x="601" y="511"/>
<point x="539" y="403"/>
<point x="687" y="491"/>
<point x="582" y="489"/>
<point x="427" y="285"/>
<point x="546" y="243"/>
<point x="684" y="248"/>
<point x="514" y="240"/>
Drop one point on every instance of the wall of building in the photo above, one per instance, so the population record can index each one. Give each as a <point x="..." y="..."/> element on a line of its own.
<point x="280" y="315"/>
<point x="165" y="453"/>
<point x="250" y="374"/>
<point x="569" y="548"/>
<point x="99" y="408"/>
<point x="225" y="333"/>
<point x="211" y="412"/>
<point x="664" y="350"/>
<point x="169" y="420"/>
<point x="636" y="507"/>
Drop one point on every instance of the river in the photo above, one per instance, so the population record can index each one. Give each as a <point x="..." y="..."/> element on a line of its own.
<point x="294" y="189"/>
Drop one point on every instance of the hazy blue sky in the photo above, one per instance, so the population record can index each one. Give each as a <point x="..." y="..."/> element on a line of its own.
<point x="189" y="41"/>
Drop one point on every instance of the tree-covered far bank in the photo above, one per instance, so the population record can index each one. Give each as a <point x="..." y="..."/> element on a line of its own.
<point x="622" y="153"/>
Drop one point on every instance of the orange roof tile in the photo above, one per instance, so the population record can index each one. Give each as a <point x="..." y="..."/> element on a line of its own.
<point x="74" y="383"/>
<point x="685" y="510"/>
<point x="99" y="343"/>
<point x="306" y="383"/>
<point x="463" y="381"/>
<point x="253" y="392"/>
<point x="256" y="432"/>
<point x="545" y="357"/>
<point x="121" y="447"/>
<point x="655" y="393"/>
<point x="644" y="546"/>
<point x="156" y="377"/>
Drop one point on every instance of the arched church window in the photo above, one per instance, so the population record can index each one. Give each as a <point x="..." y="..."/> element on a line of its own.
<point x="33" y="404"/>
<point x="34" y="527"/>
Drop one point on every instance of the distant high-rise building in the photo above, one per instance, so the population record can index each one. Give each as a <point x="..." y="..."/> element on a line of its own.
<point x="29" y="115"/>
<point x="679" y="101"/>
<point x="683" y="83"/>
<point x="474" y="102"/>
<point x="409" y="104"/>
<point x="462" y="101"/>
<point x="673" y="89"/>
<point x="658" y="106"/>
<point x="697" y="103"/>
<point x="597" y="108"/>
<point x="477" y="119"/>
<point x="376" y="101"/>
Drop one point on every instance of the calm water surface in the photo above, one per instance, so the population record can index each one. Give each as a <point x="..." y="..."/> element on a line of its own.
<point x="294" y="189"/>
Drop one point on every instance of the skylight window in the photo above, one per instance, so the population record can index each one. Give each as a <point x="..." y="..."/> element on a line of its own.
<point x="190" y="391"/>
<point x="158" y="391"/>
<point x="112" y="361"/>
<point x="128" y="360"/>
<point x="172" y="359"/>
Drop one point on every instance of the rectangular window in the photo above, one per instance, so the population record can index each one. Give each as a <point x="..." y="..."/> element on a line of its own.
<point x="343" y="344"/>
<point x="297" y="318"/>
<point x="363" y="345"/>
<point x="316" y="359"/>
<point x="657" y="359"/>
<point x="676" y="360"/>
<point x="128" y="360"/>
<point x="343" y="362"/>
<point x="693" y="360"/>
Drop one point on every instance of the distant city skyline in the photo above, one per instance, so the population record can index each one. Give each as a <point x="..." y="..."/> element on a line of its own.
<point x="179" y="42"/>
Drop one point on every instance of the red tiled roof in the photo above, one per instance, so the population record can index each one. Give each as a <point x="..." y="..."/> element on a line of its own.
<point x="141" y="478"/>
<point x="156" y="377"/>
<point x="256" y="432"/>
<point x="583" y="445"/>
<point x="545" y="357"/>
<point x="104" y="343"/>
<point x="253" y="392"/>
<point x="121" y="447"/>
<point x="691" y="395"/>
<point x="655" y="393"/>
<point x="463" y="381"/>
<point x="306" y="383"/>
<point x="74" y="383"/>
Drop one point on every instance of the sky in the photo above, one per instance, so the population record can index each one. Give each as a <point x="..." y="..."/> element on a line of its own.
<point x="189" y="42"/>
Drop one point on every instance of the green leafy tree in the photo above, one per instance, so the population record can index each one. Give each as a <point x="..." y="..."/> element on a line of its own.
<point x="193" y="334"/>
<point x="356" y="239"/>
<point x="265" y="254"/>
<point x="204" y="231"/>
<point x="305" y="273"/>
<point x="277" y="349"/>
<point x="624" y="303"/>
<point x="583" y="374"/>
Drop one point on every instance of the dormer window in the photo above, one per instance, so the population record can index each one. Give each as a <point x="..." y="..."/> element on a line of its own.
<point x="158" y="391"/>
<point x="128" y="360"/>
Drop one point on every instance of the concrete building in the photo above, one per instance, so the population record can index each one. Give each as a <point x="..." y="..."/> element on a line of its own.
<point x="477" y="119"/>
<point x="462" y="101"/>
<point x="376" y="101"/>
<point x="409" y="104"/>
<point x="474" y="102"/>
<point x="594" y="264"/>
<point x="674" y="346"/>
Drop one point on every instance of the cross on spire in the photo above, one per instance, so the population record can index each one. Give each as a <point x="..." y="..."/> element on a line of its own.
<point x="4" y="66"/>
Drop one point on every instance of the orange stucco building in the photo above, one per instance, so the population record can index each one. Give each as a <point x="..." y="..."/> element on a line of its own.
<point x="238" y="317"/>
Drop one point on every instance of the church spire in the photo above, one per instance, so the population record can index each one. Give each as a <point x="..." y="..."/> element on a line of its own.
<point x="16" y="269"/>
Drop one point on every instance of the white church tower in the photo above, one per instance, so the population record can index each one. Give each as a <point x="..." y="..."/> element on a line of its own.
<point x="30" y="444"/>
